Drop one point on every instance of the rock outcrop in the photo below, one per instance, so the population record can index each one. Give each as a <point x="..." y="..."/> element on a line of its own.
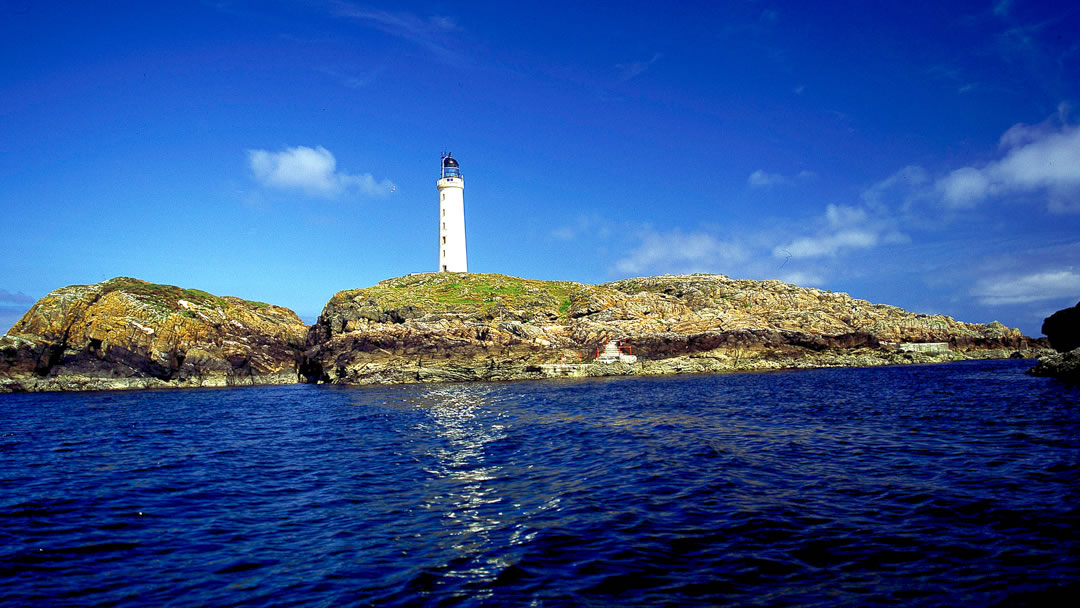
<point x="1063" y="329"/>
<point x="1065" y="366"/>
<point x="127" y="333"/>
<point x="439" y="326"/>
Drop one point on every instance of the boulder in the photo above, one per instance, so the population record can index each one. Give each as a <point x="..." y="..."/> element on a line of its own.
<point x="1063" y="329"/>
<point x="1065" y="366"/>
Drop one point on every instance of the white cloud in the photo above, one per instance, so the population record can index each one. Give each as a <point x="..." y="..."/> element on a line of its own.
<point x="564" y="233"/>
<point x="962" y="188"/>
<point x="312" y="171"/>
<point x="1020" y="289"/>
<point x="827" y="245"/>
<point x="1037" y="159"/>
<point x="1049" y="162"/>
<point x="843" y="216"/>
<point x="591" y="226"/>
<point x="844" y="228"/>
<point x="1021" y="134"/>
<point x="802" y="279"/>
<point x="679" y="252"/>
<point x="763" y="179"/>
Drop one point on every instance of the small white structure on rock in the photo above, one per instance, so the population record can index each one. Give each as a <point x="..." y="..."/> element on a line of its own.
<point x="613" y="353"/>
<point x="451" y="217"/>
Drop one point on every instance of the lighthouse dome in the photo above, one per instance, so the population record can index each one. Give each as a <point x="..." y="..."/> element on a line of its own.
<point x="449" y="161"/>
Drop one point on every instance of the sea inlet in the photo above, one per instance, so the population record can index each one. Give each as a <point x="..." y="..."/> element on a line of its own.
<point x="940" y="485"/>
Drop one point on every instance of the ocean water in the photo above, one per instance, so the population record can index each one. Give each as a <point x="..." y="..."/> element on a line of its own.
<point x="942" y="485"/>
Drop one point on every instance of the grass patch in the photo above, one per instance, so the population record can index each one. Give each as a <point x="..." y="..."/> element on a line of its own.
<point x="489" y="295"/>
<point x="167" y="297"/>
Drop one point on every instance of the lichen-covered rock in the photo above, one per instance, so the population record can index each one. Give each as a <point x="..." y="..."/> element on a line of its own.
<point x="1065" y="366"/>
<point x="127" y="333"/>
<point x="441" y="326"/>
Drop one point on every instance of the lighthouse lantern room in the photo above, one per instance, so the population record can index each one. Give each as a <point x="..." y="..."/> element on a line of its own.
<point x="451" y="217"/>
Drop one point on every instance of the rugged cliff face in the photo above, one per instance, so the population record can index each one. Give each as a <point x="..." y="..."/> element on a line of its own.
<point x="127" y="333"/>
<point x="439" y="326"/>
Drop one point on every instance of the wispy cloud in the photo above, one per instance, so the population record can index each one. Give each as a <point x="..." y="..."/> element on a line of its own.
<point x="1024" y="288"/>
<point x="960" y="80"/>
<point x="430" y="33"/>
<point x="312" y="171"/>
<point x="802" y="279"/>
<point x="351" y="80"/>
<point x="898" y="188"/>
<point x="763" y="179"/>
<point x="585" y="225"/>
<point x="630" y="70"/>
<point x="843" y="228"/>
<point x="680" y="252"/>
<point x="1040" y="160"/>
<point x="745" y="255"/>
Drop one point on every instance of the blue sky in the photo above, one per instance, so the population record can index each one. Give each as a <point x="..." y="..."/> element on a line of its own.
<point x="920" y="154"/>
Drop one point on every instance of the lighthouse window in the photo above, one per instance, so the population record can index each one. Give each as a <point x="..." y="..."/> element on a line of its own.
<point x="444" y="253"/>
<point x="442" y="197"/>
<point x="444" y="240"/>
<point x="444" y="212"/>
<point x="444" y="225"/>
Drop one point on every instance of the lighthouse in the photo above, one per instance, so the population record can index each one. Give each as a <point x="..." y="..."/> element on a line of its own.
<point x="451" y="217"/>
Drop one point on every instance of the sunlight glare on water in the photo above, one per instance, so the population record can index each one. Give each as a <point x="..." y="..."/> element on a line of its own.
<point x="926" y="485"/>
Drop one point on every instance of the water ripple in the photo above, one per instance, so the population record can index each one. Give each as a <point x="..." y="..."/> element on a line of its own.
<point x="928" y="485"/>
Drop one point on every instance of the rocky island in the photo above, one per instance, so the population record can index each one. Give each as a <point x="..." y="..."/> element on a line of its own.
<point x="127" y="333"/>
<point x="1062" y="330"/>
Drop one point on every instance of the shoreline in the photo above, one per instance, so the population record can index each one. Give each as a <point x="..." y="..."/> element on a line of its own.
<point x="390" y="375"/>
<point x="126" y="334"/>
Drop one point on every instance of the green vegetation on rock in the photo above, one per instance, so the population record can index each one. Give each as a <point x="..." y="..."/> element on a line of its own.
<point x="169" y="296"/>
<point x="125" y="333"/>
<point x="458" y="326"/>
<point x="486" y="296"/>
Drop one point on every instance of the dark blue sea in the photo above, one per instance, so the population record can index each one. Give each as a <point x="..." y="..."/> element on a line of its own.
<point x="942" y="485"/>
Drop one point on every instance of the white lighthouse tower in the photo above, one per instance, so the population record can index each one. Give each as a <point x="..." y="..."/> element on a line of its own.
<point x="451" y="217"/>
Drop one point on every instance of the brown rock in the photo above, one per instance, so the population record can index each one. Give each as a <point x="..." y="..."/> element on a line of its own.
<point x="440" y="326"/>
<point x="125" y="333"/>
